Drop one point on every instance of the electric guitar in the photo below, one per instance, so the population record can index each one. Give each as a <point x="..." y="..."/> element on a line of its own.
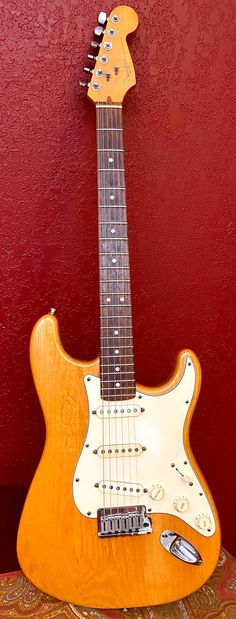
<point x="118" y="513"/>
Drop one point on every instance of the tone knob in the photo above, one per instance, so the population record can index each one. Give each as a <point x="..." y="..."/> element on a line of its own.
<point x="203" y="521"/>
<point x="156" y="492"/>
<point x="181" y="503"/>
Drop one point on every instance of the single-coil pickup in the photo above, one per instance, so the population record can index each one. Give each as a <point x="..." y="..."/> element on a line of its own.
<point x="124" y="488"/>
<point x="116" y="451"/>
<point x="118" y="410"/>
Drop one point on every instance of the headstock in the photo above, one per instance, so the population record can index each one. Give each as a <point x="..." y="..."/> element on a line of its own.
<point x="113" y="73"/>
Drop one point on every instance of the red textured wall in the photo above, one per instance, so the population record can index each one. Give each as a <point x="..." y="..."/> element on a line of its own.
<point x="180" y="184"/>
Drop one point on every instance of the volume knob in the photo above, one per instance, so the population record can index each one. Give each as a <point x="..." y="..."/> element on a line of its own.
<point x="156" y="492"/>
<point x="203" y="521"/>
<point x="181" y="503"/>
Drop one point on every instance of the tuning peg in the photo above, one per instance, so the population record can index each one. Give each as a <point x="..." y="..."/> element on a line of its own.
<point x="88" y="70"/>
<point x="91" y="57"/>
<point x="98" y="31"/>
<point x="95" y="44"/>
<point x="84" y="84"/>
<point x="102" y="18"/>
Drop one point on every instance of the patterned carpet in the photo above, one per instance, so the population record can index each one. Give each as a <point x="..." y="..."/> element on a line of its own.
<point x="215" y="600"/>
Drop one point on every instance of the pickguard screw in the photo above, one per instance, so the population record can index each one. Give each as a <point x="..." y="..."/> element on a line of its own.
<point x="144" y="448"/>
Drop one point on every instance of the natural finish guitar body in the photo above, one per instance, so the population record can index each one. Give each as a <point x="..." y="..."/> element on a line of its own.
<point x="58" y="547"/>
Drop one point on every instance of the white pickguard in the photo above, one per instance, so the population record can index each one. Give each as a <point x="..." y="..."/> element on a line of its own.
<point x="159" y="429"/>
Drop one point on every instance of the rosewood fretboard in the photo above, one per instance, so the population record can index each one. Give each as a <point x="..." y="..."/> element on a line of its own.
<point x="116" y="352"/>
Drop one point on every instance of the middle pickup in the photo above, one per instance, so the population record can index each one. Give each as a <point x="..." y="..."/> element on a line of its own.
<point x="123" y="450"/>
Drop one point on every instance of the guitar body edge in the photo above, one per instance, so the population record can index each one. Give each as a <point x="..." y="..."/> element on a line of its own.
<point x="58" y="547"/>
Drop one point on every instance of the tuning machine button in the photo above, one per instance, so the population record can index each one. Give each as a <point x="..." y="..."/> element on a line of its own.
<point x="95" y="44"/>
<point x="102" y="18"/>
<point x="203" y="521"/>
<point x="156" y="492"/>
<point x="84" y="84"/>
<point x="91" y="57"/>
<point x="88" y="70"/>
<point x="181" y="503"/>
<point x="98" y="31"/>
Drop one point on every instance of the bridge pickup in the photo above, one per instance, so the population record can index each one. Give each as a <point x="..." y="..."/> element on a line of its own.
<point x="115" y="521"/>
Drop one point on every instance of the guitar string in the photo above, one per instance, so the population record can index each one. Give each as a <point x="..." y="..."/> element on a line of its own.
<point x="115" y="285"/>
<point x="101" y="321"/>
<point x="108" y="210"/>
<point x="122" y="287"/>
<point x="120" y="284"/>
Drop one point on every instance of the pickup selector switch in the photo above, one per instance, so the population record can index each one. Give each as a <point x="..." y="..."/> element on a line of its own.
<point x="203" y="521"/>
<point x="156" y="492"/>
<point x="181" y="503"/>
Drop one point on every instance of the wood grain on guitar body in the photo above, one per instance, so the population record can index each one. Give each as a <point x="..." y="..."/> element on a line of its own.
<point x="118" y="513"/>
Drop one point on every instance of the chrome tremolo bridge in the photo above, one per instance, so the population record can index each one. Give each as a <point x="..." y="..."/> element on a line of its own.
<point x="132" y="520"/>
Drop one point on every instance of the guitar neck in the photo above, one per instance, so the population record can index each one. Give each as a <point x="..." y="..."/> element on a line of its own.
<point x="116" y="336"/>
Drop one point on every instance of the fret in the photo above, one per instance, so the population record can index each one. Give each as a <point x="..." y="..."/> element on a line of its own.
<point x="116" y="238"/>
<point x="121" y="337"/>
<point x="119" y="346"/>
<point x="122" y="253"/>
<point x="127" y="364"/>
<point x="113" y="380"/>
<point x="120" y="378"/>
<point x="108" y="356"/>
<point x="108" y="129"/>
<point x="119" y="150"/>
<point x="111" y="170"/>
<point x="107" y="105"/>
<point x="118" y="327"/>
<point x="119" y="316"/>
<point x="112" y="206"/>
<point x="115" y="281"/>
